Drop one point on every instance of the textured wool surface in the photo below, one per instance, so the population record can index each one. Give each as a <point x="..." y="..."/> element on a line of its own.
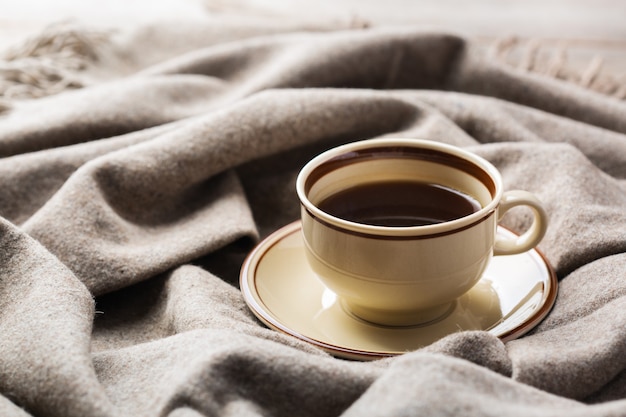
<point x="130" y="200"/>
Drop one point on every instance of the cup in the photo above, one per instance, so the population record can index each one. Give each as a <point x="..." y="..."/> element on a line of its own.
<point x="399" y="229"/>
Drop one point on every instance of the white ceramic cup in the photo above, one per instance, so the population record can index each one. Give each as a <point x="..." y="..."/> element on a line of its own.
<point x="407" y="275"/>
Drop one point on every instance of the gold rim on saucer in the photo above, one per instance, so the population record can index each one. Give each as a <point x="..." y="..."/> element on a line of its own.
<point x="515" y="293"/>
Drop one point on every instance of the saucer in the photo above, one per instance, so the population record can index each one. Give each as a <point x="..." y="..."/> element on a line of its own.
<point x="515" y="293"/>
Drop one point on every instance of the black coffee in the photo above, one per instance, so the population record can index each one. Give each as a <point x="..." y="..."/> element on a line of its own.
<point x="399" y="204"/>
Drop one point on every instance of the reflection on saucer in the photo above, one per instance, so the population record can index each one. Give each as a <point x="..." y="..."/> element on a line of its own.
<point x="479" y="309"/>
<point x="514" y="295"/>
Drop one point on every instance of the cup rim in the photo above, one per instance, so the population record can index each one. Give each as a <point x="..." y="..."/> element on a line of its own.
<point x="399" y="231"/>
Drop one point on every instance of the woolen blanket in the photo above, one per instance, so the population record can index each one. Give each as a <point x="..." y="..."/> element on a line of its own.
<point x="140" y="167"/>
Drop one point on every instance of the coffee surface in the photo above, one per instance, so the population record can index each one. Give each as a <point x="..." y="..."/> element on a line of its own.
<point x="399" y="204"/>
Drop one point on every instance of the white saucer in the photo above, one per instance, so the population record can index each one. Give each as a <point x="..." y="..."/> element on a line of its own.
<point x="513" y="296"/>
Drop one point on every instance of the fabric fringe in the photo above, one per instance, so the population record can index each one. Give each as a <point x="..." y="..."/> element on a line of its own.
<point x="48" y="63"/>
<point x="531" y="56"/>
<point x="52" y="61"/>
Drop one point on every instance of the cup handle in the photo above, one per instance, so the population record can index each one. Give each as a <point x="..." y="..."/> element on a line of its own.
<point x="529" y="239"/>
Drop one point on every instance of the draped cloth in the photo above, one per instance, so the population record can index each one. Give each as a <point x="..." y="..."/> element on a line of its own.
<point x="131" y="193"/>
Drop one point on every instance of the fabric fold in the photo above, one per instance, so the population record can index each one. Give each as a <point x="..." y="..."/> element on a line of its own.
<point x="45" y="322"/>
